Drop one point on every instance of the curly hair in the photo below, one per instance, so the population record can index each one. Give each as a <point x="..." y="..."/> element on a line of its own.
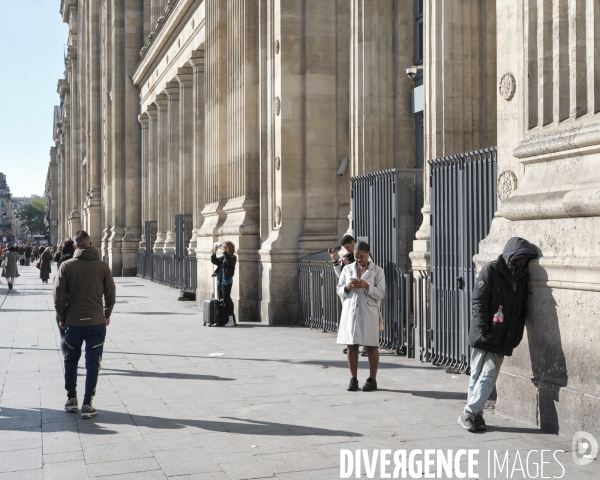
<point x="230" y="245"/>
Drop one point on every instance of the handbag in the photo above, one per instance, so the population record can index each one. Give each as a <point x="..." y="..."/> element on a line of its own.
<point x="4" y="263"/>
<point x="37" y="265"/>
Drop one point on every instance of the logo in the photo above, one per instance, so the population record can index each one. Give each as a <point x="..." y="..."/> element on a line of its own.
<point x="585" y="448"/>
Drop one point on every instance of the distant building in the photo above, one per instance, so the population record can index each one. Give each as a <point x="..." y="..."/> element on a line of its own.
<point x="6" y="211"/>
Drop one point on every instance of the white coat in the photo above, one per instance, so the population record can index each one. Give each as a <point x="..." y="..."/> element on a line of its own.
<point x="359" y="324"/>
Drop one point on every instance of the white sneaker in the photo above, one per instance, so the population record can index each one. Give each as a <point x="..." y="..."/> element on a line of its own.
<point x="71" y="405"/>
<point x="230" y="323"/>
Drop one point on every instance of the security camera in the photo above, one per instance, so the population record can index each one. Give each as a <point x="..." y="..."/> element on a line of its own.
<point x="411" y="72"/>
<point x="343" y="167"/>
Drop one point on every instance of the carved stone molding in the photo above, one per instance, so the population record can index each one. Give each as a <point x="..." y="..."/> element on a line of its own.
<point x="277" y="46"/>
<point x="507" y="184"/>
<point x="278" y="216"/>
<point x="507" y="86"/>
<point x="277" y="106"/>
<point x="277" y="163"/>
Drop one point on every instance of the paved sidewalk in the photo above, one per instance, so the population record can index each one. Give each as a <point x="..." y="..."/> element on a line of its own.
<point x="179" y="400"/>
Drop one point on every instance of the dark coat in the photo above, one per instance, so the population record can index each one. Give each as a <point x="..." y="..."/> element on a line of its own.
<point x="45" y="265"/>
<point x="226" y="263"/>
<point x="498" y="285"/>
<point x="11" y="270"/>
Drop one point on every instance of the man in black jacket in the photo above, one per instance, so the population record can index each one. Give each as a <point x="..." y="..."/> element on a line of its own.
<point x="502" y="285"/>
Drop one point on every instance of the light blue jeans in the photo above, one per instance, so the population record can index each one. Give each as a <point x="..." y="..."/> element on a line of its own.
<point x="485" y="367"/>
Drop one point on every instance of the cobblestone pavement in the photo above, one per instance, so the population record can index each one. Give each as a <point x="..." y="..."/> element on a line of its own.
<point x="178" y="400"/>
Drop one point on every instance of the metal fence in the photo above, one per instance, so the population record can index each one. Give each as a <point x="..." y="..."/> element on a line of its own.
<point x="386" y="210"/>
<point x="463" y="202"/>
<point x="177" y="269"/>
<point x="320" y="306"/>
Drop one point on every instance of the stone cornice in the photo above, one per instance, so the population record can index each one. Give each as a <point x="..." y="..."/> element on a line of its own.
<point x="63" y="87"/>
<point x="161" y="39"/>
<point x="65" y="5"/>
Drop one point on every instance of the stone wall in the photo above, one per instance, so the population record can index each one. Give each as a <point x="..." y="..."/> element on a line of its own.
<point x="549" y="143"/>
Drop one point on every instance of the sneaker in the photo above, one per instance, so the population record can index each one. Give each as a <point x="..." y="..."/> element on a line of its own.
<point x="364" y="352"/>
<point x="71" y="405"/>
<point x="230" y="323"/>
<point x="87" y="411"/>
<point x="369" y="385"/>
<point x="353" y="385"/>
<point x="345" y="350"/>
<point x="468" y="421"/>
<point x="480" y="423"/>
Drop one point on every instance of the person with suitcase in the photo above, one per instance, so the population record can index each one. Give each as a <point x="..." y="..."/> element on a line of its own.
<point x="225" y="271"/>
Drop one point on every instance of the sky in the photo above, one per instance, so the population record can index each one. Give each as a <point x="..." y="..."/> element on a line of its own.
<point x="32" y="40"/>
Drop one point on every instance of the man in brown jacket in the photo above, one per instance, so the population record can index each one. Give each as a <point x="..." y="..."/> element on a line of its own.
<point x="79" y="286"/>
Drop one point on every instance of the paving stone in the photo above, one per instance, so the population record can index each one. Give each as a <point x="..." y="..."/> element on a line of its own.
<point x="297" y="461"/>
<point x="249" y="469"/>
<point x="122" y="467"/>
<point x="66" y="471"/>
<point x="63" y="457"/>
<point x="37" y="474"/>
<point x="16" y="460"/>
<point x="116" y="451"/>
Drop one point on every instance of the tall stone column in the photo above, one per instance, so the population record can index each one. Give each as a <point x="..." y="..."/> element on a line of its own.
<point x="186" y="140"/>
<point x="162" y="194"/>
<point x="306" y="72"/>
<point x="215" y="134"/>
<point x="144" y="120"/>
<point x="152" y="155"/>
<point x="198" y="63"/>
<point x="93" y="192"/>
<point x="458" y="76"/>
<point x="172" y="192"/>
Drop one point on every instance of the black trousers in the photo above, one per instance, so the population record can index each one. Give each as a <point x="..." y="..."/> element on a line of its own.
<point x="225" y="296"/>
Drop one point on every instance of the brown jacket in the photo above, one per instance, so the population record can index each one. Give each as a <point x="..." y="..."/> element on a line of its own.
<point x="79" y="286"/>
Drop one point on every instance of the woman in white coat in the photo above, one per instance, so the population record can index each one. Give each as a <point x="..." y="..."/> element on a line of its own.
<point x="361" y="287"/>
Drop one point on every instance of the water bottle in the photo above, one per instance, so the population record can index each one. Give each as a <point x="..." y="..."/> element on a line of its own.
<point x="499" y="317"/>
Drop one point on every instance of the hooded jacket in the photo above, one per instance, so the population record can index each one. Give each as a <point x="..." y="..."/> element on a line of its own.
<point x="499" y="284"/>
<point x="79" y="286"/>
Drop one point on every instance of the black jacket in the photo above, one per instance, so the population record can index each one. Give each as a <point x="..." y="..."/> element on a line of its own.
<point x="495" y="286"/>
<point x="226" y="262"/>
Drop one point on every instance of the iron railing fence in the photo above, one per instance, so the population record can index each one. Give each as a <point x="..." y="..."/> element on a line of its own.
<point x="422" y="315"/>
<point x="463" y="202"/>
<point x="320" y="306"/>
<point x="141" y="267"/>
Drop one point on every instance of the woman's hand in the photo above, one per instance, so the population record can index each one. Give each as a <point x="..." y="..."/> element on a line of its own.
<point x="349" y="286"/>
<point x="360" y="283"/>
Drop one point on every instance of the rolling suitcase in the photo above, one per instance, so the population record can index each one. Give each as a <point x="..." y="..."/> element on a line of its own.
<point x="211" y="309"/>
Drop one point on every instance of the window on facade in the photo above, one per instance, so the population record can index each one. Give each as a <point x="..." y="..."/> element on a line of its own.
<point x="418" y="32"/>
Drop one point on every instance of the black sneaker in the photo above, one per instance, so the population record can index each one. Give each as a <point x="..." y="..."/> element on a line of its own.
<point x="369" y="385"/>
<point x="468" y="422"/>
<point x="364" y="352"/>
<point x="480" y="423"/>
<point x="353" y="385"/>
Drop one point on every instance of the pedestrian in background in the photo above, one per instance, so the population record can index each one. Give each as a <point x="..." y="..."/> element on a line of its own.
<point x="80" y="286"/>
<point x="46" y="265"/>
<point x="10" y="270"/>
<point x="361" y="287"/>
<point x="225" y="271"/>
<point x="499" y="307"/>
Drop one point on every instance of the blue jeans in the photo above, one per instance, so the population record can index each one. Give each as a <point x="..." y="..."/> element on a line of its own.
<point x="62" y="337"/>
<point x="94" y="343"/>
<point x="485" y="368"/>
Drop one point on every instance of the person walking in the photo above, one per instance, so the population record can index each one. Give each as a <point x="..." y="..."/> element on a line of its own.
<point x="225" y="271"/>
<point x="10" y="270"/>
<point x="67" y="253"/>
<point x="499" y="306"/>
<point x="36" y="253"/>
<point x="361" y="287"/>
<point x="28" y="251"/>
<point x="46" y="265"/>
<point x="79" y="288"/>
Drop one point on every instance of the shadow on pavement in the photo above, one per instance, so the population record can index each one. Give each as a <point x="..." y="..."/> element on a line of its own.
<point x="172" y="376"/>
<point x="26" y="419"/>
<point x="495" y="428"/>
<point x="431" y="394"/>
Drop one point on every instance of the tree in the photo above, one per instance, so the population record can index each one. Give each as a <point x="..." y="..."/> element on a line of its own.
<point x="32" y="216"/>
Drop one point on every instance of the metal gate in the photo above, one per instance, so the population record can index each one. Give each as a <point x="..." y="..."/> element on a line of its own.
<point x="386" y="212"/>
<point x="183" y="233"/>
<point x="463" y="202"/>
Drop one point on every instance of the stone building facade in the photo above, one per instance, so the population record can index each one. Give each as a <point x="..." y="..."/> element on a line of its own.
<point x="239" y="113"/>
<point x="7" y="228"/>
